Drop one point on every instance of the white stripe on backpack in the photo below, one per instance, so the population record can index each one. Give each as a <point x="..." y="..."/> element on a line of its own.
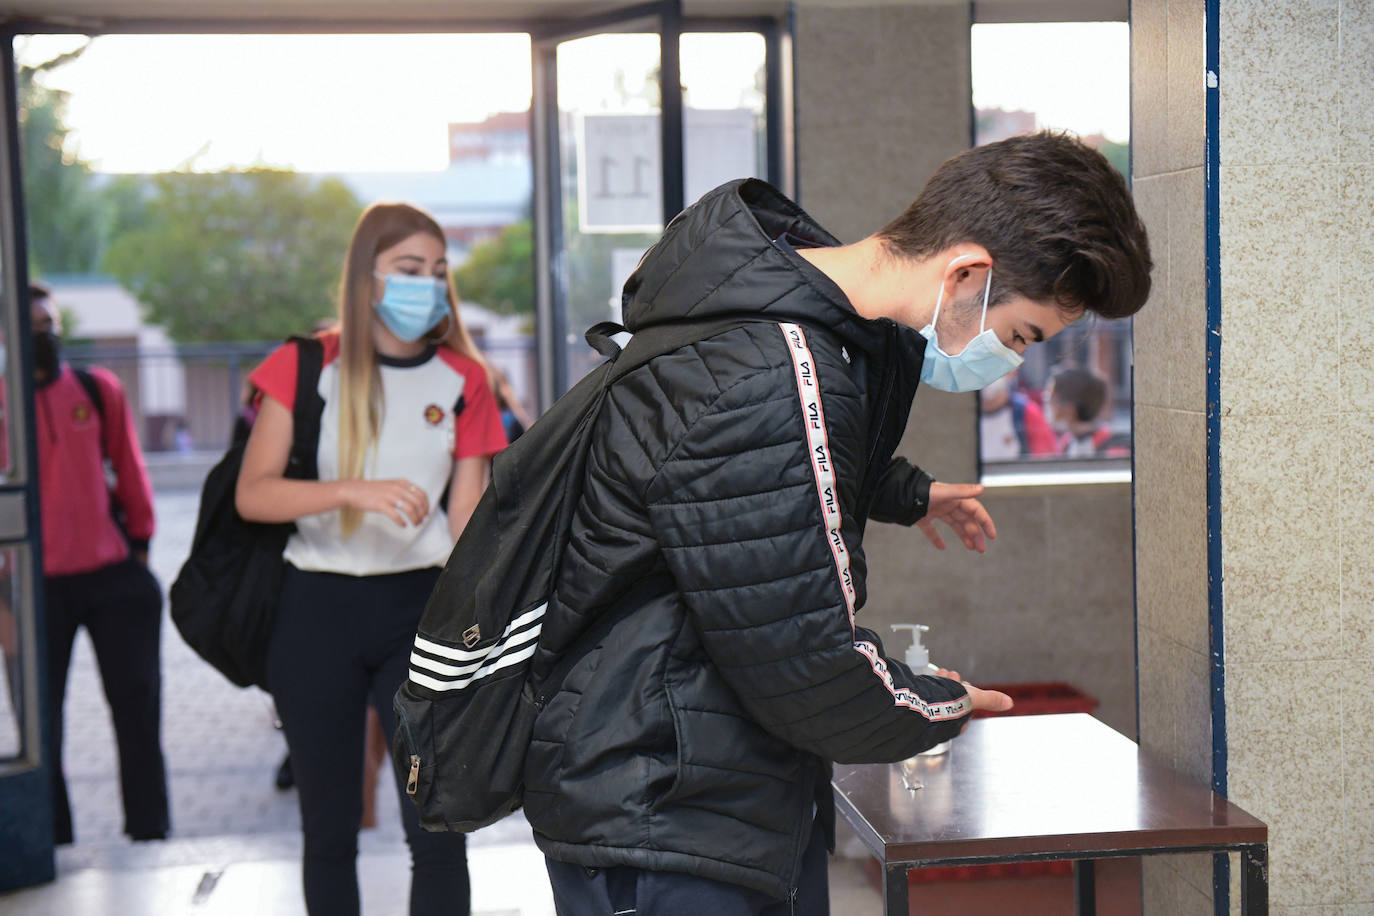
<point x="479" y="663"/>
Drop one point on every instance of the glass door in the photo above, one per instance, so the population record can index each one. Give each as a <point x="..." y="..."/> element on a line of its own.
<point x="635" y="118"/>
<point x="26" y="846"/>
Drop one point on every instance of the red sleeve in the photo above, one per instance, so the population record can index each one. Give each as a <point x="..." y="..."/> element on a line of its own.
<point x="132" y="486"/>
<point x="477" y="429"/>
<point x="277" y="375"/>
<point x="1039" y="435"/>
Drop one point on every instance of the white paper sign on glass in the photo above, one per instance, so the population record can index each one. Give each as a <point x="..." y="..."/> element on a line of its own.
<point x="619" y="174"/>
<point x="620" y="165"/>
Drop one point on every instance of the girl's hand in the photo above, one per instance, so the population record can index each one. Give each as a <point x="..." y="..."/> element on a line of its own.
<point x="399" y="499"/>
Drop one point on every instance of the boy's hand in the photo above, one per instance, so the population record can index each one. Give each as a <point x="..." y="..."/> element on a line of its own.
<point x="990" y="700"/>
<point x="956" y="505"/>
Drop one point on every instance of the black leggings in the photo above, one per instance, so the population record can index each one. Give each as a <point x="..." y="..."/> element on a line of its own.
<point x="339" y="643"/>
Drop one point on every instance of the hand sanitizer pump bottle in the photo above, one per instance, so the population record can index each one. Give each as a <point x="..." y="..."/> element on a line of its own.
<point x="918" y="660"/>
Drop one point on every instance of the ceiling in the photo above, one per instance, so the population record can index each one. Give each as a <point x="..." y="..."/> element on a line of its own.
<point x="127" y="15"/>
<point x="96" y="16"/>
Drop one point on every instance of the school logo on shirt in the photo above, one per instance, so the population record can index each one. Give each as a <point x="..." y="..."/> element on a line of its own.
<point x="434" y="415"/>
<point x="81" y="413"/>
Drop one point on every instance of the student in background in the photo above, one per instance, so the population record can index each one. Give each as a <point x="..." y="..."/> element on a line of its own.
<point x="1076" y="398"/>
<point x="1011" y="425"/>
<point x="95" y="569"/>
<point x="408" y="413"/>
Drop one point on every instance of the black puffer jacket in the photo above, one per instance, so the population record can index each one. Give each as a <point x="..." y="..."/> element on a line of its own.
<point x="727" y="501"/>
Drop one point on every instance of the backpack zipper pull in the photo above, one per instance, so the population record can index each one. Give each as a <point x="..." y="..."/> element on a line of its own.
<point x="413" y="782"/>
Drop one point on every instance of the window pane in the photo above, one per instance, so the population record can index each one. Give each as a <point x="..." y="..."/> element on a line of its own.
<point x="1017" y="88"/>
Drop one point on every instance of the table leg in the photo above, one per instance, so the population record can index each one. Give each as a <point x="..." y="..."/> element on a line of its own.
<point x="895" y="902"/>
<point x="1254" y="881"/>
<point x="1084" y="887"/>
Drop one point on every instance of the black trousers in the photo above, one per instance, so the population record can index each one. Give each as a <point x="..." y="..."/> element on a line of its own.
<point x="121" y="608"/>
<point x="338" y="644"/>
<point x="626" y="891"/>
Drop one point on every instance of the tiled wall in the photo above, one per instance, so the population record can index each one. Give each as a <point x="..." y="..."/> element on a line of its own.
<point x="882" y="100"/>
<point x="1167" y="134"/>
<point x="1296" y="258"/>
<point x="1297" y="399"/>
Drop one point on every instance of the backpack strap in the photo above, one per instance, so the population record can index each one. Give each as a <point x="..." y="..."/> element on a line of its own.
<point x="97" y="397"/>
<point x="660" y="339"/>
<point x="307" y="409"/>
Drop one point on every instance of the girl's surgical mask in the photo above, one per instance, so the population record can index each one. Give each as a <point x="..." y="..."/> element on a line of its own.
<point x="411" y="306"/>
<point x="983" y="360"/>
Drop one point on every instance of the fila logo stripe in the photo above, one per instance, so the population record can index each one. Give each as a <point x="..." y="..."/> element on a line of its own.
<point x="813" y="416"/>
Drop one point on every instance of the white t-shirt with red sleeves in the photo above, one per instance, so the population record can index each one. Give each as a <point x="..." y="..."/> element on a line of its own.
<point x="436" y="408"/>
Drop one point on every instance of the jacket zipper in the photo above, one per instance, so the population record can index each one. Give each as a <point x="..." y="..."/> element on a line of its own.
<point x="413" y="780"/>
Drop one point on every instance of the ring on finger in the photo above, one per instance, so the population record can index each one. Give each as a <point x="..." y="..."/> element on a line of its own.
<point x="400" y="506"/>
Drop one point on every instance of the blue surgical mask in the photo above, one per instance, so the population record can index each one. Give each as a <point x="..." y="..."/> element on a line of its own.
<point x="983" y="360"/>
<point x="411" y="306"/>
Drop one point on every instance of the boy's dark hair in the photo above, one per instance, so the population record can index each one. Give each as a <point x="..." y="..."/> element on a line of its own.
<point x="39" y="291"/>
<point x="1056" y="217"/>
<point x="1085" y="391"/>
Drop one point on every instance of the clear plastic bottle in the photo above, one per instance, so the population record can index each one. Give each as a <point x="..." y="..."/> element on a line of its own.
<point x="918" y="660"/>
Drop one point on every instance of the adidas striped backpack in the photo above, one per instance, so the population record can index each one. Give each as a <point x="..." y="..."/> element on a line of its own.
<point x="466" y="711"/>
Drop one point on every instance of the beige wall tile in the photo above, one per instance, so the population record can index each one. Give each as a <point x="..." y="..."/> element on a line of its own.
<point x="1175" y="706"/>
<point x="1013" y="615"/>
<point x="1289" y="774"/>
<point x="1165" y="891"/>
<point x="942" y="434"/>
<point x="1356" y="261"/>
<point x="1357" y="549"/>
<point x="1277" y="223"/>
<point x="1150" y="327"/>
<point x="1171" y="524"/>
<point x="1187" y="86"/>
<point x="1357" y="81"/>
<point x="1281" y="539"/>
<point x="1361" y="889"/>
<point x="1357" y="772"/>
<point x="1149" y="88"/>
<point x="1278" y="80"/>
<point x="1187" y="285"/>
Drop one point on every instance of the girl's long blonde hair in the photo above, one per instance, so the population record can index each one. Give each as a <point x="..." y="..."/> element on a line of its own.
<point x="360" y="384"/>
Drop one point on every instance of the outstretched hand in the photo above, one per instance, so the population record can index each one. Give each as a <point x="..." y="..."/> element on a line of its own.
<point x="956" y="505"/>
<point x="990" y="700"/>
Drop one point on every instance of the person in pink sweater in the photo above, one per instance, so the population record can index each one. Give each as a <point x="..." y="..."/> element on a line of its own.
<point x="95" y="568"/>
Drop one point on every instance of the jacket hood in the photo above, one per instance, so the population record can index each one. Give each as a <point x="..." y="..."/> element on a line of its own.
<point x="718" y="258"/>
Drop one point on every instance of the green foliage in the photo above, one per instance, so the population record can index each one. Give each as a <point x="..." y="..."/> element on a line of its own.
<point x="499" y="273"/>
<point x="237" y="255"/>
<point x="1119" y="155"/>
<point x="68" y="218"/>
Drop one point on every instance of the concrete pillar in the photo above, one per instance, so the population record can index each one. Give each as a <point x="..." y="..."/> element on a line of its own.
<point x="1281" y="614"/>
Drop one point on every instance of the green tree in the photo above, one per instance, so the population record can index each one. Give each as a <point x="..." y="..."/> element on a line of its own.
<point x="67" y="215"/>
<point x="499" y="273"/>
<point x="1119" y="155"/>
<point x="236" y="255"/>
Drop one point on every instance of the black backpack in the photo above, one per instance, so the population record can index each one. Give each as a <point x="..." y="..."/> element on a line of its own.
<point x="225" y="596"/>
<point x="466" y="712"/>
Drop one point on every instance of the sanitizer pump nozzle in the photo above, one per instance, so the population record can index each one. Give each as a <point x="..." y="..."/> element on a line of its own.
<point x="918" y="660"/>
<point x="917" y="657"/>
